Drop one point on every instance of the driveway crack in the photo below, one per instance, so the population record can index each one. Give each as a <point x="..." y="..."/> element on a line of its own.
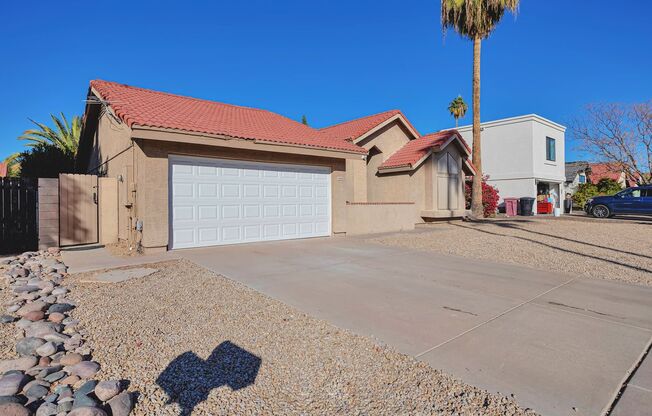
<point x="513" y="308"/>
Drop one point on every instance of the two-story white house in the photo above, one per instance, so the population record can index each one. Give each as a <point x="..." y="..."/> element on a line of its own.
<point x="523" y="156"/>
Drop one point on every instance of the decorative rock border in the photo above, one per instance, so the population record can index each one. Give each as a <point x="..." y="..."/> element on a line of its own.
<point x="53" y="373"/>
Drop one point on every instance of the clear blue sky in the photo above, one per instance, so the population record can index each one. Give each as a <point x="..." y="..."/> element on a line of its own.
<point x="331" y="60"/>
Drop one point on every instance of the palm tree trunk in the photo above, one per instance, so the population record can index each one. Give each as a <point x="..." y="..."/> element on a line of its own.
<point x="477" y="209"/>
<point x="455" y="122"/>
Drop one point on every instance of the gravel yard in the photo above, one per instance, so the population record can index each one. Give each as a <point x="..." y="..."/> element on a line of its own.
<point x="214" y="346"/>
<point x="615" y="250"/>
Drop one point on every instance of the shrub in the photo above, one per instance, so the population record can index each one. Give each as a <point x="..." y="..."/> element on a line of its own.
<point x="588" y="190"/>
<point x="490" y="197"/>
<point x="45" y="161"/>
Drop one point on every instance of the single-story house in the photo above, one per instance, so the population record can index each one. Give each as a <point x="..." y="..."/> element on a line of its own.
<point x="577" y="173"/>
<point x="193" y="172"/>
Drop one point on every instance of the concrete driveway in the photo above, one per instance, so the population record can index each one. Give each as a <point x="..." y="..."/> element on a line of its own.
<point x="561" y="345"/>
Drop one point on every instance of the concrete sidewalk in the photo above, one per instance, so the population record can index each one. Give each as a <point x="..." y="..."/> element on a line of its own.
<point x="561" y="345"/>
<point x="87" y="259"/>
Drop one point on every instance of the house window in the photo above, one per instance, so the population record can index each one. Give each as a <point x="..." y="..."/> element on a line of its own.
<point x="582" y="179"/>
<point x="550" y="149"/>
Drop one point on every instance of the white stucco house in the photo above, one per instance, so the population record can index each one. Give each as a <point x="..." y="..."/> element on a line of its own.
<point x="523" y="156"/>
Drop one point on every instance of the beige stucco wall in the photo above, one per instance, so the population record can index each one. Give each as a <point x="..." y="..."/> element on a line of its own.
<point x="418" y="186"/>
<point x="368" y="218"/>
<point x="113" y="156"/>
<point x="108" y="210"/>
<point x="366" y="185"/>
<point x="48" y="213"/>
<point x="152" y="184"/>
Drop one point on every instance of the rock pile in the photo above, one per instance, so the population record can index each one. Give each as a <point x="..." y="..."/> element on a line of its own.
<point x="53" y="372"/>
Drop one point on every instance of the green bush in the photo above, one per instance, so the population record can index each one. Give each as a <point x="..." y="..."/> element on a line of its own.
<point x="589" y="190"/>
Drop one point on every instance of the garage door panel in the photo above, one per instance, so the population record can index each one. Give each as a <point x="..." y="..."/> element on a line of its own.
<point x="217" y="202"/>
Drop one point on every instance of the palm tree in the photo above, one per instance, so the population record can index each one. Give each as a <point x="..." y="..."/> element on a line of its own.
<point x="475" y="19"/>
<point x="65" y="136"/>
<point x="457" y="108"/>
<point x="13" y="165"/>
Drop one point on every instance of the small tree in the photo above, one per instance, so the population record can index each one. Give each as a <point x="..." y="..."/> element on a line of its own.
<point x="490" y="197"/>
<point x="45" y="161"/>
<point x="304" y="120"/>
<point x="457" y="108"/>
<point x="618" y="134"/>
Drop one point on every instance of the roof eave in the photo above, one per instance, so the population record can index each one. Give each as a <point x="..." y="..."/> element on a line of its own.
<point x="172" y="135"/>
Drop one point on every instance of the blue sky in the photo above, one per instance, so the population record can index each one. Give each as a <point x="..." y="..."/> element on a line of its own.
<point x="331" y="60"/>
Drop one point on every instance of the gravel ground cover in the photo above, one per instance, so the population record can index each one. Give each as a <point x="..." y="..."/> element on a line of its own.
<point x="193" y="341"/>
<point x="53" y="371"/>
<point x="606" y="250"/>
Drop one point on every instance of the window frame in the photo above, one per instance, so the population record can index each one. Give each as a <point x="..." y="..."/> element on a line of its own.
<point x="551" y="154"/>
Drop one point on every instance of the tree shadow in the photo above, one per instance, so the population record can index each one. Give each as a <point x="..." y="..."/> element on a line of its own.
<point x="629" y="266"/>
<point x="516" y="227"/>
<point x="188" y="379"/>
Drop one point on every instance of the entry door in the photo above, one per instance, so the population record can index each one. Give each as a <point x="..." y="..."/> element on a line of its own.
<point x="219" y="202"/>
<point x="448" y="183"/>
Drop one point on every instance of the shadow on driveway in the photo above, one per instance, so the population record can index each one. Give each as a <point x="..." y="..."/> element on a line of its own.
<point x="188" y="379"/>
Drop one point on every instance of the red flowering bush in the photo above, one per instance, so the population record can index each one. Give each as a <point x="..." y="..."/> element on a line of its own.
<point x="489" y="197"/>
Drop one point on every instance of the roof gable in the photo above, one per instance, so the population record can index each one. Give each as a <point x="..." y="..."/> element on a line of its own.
<point x="415" y="151"/>
<point x="154" y="109"/>
<point x="361" y="127"/>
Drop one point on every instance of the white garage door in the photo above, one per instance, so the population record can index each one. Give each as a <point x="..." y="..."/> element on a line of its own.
<point x="217" y="202"/>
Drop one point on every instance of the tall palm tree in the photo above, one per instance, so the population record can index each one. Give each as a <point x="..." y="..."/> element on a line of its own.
<point x="475" y="19"/>
<point x="64" y="135"/>
<point x="457" y="108"/>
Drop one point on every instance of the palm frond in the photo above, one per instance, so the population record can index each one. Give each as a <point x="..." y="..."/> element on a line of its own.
<point x="474" y="18"/>
<point x="64" y="135"/>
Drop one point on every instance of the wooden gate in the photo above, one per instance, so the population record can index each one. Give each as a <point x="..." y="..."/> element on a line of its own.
<point x="18" y="225"/>
<point x="77" y="209"/>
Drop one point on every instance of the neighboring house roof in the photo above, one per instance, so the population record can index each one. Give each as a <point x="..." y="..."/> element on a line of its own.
<point x="573" y="168"/>
<point x="148" y="108"/>
<point x="605" y="171"/>
<point x="351" y="130"/>
<point x="415" y="151"/>
<point x="3" y="169"/>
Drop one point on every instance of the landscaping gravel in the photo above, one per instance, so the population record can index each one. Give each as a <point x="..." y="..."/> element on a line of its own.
<point x="51" y="374"/>
<point x="605" y="250"/>
<point x="191" y="340"/>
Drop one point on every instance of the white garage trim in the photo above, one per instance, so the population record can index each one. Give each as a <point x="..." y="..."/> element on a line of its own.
<point x="219" y="201"/>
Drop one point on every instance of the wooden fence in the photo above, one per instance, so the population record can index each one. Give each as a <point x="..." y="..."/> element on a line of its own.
<point x="18" y="215"/>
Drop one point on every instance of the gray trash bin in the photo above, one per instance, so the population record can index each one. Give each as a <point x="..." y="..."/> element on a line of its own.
<point x="527" y="205"/>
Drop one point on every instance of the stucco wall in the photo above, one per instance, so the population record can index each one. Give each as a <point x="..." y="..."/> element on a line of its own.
<point x="152" y="182"/>
<point x="514" y="153"/>
<point x="370" y="218"/>
<point x="112" y="156"/>
<point x="507" y="149"/>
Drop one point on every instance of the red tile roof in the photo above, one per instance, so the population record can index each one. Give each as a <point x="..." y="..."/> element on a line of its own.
<point x="605" y="171"/>
<point x="3" y="169"/>
<point x="143" y="107"/>
<point x="414" y="150"/>
<point x="351" y="130"/>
